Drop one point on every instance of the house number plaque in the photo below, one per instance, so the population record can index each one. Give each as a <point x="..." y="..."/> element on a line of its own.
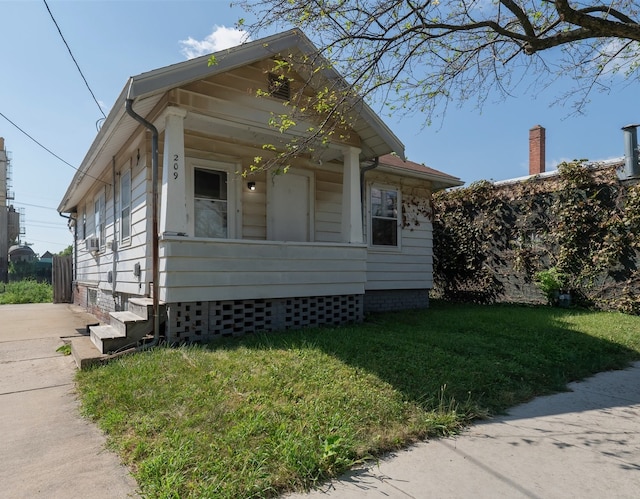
<point x="176" y="166"/>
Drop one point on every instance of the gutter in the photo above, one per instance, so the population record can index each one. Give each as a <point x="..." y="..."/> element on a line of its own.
<point x="154" y="208"/>
<point x="74" y="268"/>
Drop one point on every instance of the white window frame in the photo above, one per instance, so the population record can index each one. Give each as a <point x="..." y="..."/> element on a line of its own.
<point x="370" y="217"/>
<point x="125" y="239"/>
<point x="234" y="183"/>
<point x="99" y="217"/>
<point x="82" y="223"/>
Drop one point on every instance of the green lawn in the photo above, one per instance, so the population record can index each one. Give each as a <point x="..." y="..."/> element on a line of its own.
<point x="257" y="416"/>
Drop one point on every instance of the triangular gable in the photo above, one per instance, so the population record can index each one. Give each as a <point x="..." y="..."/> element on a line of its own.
<point x="147" y="88"/>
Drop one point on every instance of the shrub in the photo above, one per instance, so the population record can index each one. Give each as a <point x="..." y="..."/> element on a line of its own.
<point x="27" y="291"/>
<point x="550" y="282"/>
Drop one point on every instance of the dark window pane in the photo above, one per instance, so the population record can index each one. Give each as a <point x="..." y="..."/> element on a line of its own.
<point x="384" y="232"/>
<point x="210" y="184"/>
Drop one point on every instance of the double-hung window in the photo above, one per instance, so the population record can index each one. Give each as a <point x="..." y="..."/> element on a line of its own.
<point x="211" y="217"/>
<point x="125" y="205"/>
<point x="99" y="216"/>
<point x="385" y="209"/>
<point x="82" y="224"/>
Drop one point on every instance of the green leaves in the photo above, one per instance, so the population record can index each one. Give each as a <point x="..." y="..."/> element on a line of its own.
<point x="578" y="231"/>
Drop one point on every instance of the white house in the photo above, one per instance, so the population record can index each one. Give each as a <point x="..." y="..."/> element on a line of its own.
<point x="227" y="254"/>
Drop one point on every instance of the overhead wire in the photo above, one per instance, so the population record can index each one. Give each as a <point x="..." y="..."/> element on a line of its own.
<point x="18" y="203"/>
<point x="50" y="151"/>
<point x="74" y="59"/>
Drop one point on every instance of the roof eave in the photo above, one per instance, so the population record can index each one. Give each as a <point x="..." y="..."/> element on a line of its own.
<point x="163" y="79"/>
<point x="87" y="165"/>
<point x="160" y="80"/>
<point x="439" y="181"/>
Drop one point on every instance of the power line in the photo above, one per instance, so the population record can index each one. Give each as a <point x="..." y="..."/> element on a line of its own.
<point x="48" y="242"/>
<point x="74" y="60"/>
<point x="51" y="152"/>
<point x="33" y="205"/>
<point x="48" y="223"/>
<point x="45" y="148"/>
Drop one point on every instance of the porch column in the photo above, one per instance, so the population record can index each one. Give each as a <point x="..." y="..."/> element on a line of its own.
<point x="173" y="202"/>
<point x="351" y="203"/>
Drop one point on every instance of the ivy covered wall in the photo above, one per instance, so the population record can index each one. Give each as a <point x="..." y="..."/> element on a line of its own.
<point x="492" y="242"/>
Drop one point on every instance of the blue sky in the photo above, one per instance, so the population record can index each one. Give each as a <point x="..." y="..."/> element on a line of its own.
<point x="42" y="92"/>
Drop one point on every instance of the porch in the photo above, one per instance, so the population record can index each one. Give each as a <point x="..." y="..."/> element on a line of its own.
<point x="199" y="269"/>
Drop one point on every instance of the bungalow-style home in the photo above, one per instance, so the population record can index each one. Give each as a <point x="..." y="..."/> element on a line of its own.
<point x="207" y="251"/>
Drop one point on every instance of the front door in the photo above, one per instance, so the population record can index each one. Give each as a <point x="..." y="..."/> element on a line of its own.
<point x="289" y="208"/>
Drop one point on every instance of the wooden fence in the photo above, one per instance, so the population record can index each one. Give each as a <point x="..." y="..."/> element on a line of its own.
<point x="62" y="274"/>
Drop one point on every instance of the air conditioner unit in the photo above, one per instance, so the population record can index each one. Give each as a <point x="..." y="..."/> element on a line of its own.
<point x="92" y="243"/>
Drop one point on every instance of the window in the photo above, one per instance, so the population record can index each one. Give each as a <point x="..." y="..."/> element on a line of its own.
<point x="82" y="224"/>
<point x="384" y="216"/>
<point x="99" y="214"/>
<point x="210" y="203"/>
<point x="125" y="205"/>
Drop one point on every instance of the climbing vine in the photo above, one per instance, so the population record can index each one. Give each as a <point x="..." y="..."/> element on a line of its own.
<point x="490" y="240"/>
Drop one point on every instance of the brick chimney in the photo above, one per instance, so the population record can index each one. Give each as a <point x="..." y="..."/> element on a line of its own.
<point x="536" y="150"/>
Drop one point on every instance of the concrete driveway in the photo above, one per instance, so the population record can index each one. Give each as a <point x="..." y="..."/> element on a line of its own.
<point x="47" y="449"/>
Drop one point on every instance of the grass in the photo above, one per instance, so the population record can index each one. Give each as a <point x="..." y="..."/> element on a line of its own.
<point x="64" y="349"/>
<point x="27" y="291"/>
<point x="256" y="416"/>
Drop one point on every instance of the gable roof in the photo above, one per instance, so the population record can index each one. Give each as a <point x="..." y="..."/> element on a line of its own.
<point x="439" y="180"/>
<point x="146" y="90"/>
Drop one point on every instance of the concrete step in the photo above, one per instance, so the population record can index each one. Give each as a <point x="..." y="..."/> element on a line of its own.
<point x="141" y="306"/>
<point x="109" y="339"/>
<point x="144" y="308"/>
<point x="126" y="322"/>
<point x="85" y="353"/>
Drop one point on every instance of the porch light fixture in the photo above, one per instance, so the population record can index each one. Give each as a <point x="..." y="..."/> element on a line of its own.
<point x="251" y="186"/>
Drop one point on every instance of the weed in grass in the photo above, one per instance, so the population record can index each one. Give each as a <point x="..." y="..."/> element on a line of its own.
<point x="64" y="349"/>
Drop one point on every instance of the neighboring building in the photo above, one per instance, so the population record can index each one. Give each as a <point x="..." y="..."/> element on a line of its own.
<point x="244" y="254"/>
<point x="9" y="217"/>
<point x="22" y="253"/>
<point x="4" y="214"/>
<point x="46" y="257"/>
<point x="583" y="221"/>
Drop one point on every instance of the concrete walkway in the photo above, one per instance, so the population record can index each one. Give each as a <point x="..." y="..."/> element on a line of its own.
<point x="580" y="444"/>
<point x="47" y="449"/>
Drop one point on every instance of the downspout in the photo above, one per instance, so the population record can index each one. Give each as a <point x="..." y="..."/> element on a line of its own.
<point x="154" y="208"/>
<point x="114" y="243"/>
<point x="364" y="170"/>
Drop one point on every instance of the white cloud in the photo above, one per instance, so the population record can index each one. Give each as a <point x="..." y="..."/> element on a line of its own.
<point x="617" y="57"/>
<point x="219" y="39"/>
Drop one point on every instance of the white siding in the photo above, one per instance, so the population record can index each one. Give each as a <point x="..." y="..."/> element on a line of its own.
<point x="328" y="206"/>
<point x="200" y="270"/>
<point x="411" y="265"/>
<point x="138" y="248"/>
<point x="93" y="268"/>
<point x="249" y="267"/>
